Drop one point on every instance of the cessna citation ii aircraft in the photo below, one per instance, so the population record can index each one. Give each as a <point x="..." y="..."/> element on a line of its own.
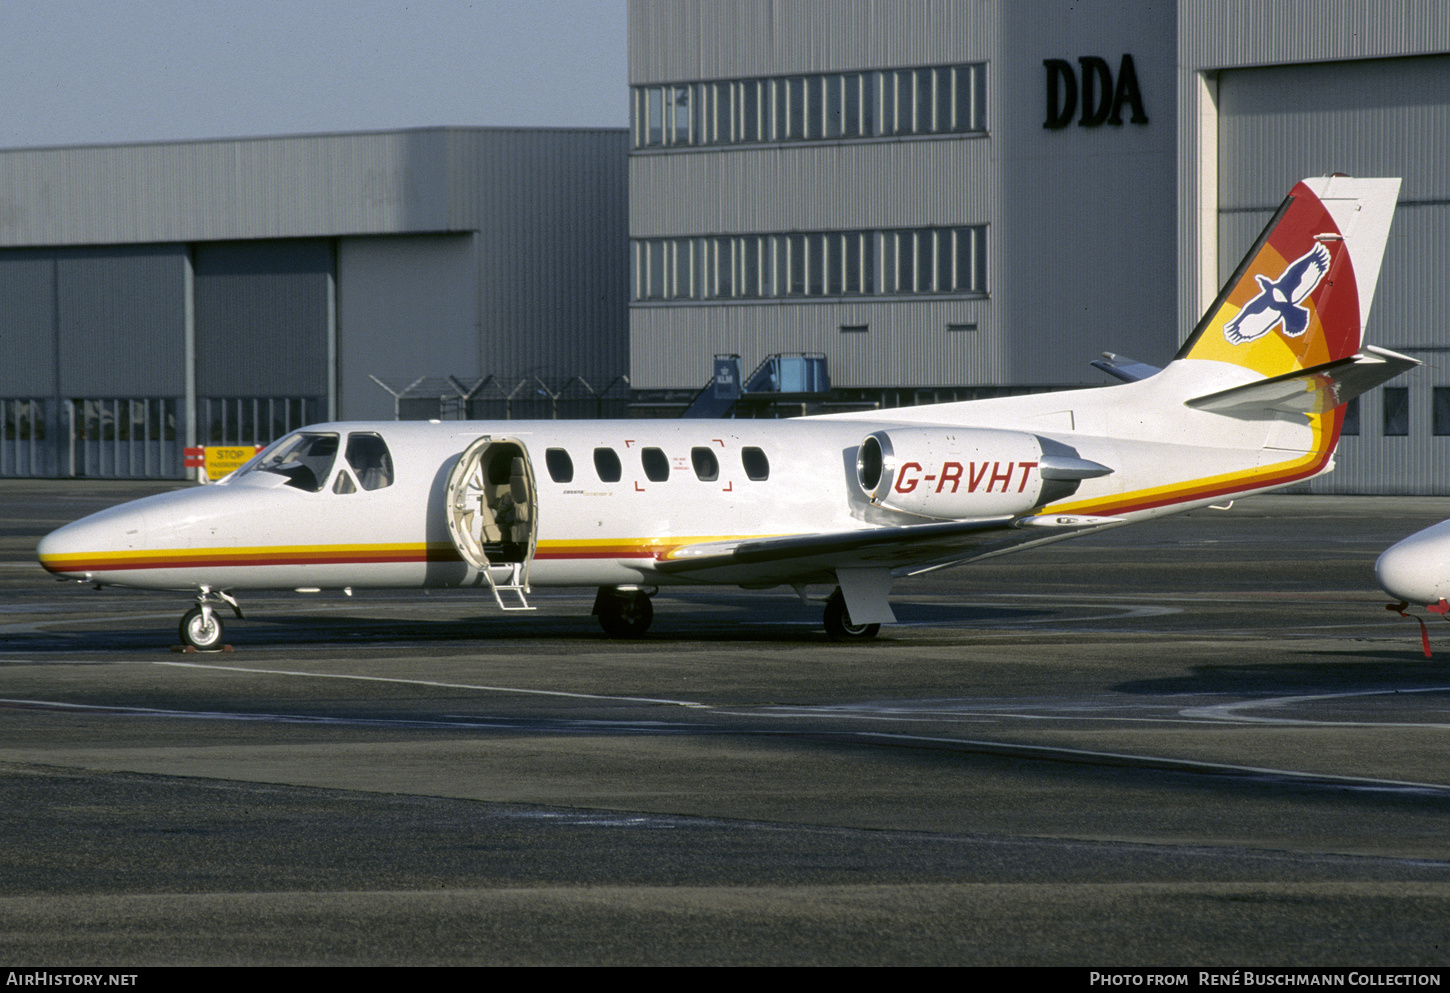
<point x="1251" y="402"/>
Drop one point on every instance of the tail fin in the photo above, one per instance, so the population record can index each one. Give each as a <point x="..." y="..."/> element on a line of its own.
<point x="1301" y="296"/>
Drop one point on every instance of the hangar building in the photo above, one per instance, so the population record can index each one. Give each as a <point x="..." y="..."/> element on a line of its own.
<point x="955" y="198"/>
<point x="939" y="198"/>
<point x="223" y="292"/>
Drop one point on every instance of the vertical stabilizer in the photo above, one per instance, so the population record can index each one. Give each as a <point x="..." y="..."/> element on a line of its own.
<point x="1301" y="296"/>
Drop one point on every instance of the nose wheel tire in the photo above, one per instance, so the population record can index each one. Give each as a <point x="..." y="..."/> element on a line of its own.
<point x="624" y="615"/>
<point x="838" y="621"/>
<point x="198" y="632"/>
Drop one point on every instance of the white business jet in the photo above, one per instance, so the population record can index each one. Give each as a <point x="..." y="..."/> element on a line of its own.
<point x="1252" y="402"/>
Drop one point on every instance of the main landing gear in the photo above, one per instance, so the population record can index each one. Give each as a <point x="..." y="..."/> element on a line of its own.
<point x="838" y="621"/>
<point x="624" y="613"/>
<point x="201" y="626"/>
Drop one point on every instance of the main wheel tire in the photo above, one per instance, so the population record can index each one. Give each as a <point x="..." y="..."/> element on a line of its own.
<point x="626" y="616"/>
<point x="196" y="632"/>
<point x="838" y="621"/>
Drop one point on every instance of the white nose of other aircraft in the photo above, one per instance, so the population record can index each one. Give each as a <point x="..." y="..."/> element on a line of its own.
<point x="1418" y="569"/>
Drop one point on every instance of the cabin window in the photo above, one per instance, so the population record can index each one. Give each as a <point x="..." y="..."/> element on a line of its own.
<point x="757" y="466"/>
<point x="560" y="465"/>
<point x="707" y="467"/>
<point x="606" y="464"/>
<point x="305" y="459"/>
<point x="368" y="455"/>
<point x="656" y="464"/>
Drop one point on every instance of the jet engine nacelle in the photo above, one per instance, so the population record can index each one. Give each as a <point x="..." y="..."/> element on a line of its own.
<point x="960" y="474"/>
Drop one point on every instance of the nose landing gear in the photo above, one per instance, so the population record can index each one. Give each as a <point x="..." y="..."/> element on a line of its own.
<point x="201" y="627"/>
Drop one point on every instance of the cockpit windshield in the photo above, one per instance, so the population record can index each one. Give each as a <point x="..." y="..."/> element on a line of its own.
<point x="305" y="459"/>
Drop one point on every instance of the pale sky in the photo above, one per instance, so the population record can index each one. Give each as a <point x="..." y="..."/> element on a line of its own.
<point x="103" y="71"/>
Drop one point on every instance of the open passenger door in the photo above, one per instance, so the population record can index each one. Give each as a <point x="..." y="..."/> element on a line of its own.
<point x="492" y="513"/>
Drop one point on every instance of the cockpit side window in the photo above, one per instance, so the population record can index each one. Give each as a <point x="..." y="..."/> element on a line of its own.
<point x="369" y="457"/>
<point x="306" y="460"/>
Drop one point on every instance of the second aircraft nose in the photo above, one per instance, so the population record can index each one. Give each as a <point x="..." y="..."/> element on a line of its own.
<point x="1418" y="569"/>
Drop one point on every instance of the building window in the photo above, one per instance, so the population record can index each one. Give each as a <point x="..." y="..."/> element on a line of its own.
<point x="1397" y="411"/>
<point x="1440" y="412"/>
<point x="833" y="106"/>
<point x="1350" y="425"/>
<point x="914" y="262"/>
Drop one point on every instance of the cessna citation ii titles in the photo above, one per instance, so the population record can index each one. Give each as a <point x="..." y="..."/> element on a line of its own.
<point x="1251" y="402"/>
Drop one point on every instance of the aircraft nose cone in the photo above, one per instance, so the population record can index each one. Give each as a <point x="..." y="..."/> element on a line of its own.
<point x="1418" y="568"/>
<point x="80" y="549"/>
<point x="57" y="551"/>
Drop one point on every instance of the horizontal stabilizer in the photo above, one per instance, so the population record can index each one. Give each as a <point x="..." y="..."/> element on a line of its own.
<point x="1315" y="390"/>
<point x="1124" y="368"/>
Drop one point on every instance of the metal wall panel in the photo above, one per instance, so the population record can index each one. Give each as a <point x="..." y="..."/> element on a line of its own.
<point x="936" y="182"/>
<point x="1085" y="241"/>
<point x="120" y="321"/>
<point x="702" y="39"/>
<point x="305" y="186"/>
<point x="262" y="317"/>
<point x="906" y="342"/>
<point x="407" y="307"/>
<point x="1222" y="33"/>
<point x="1081" y="220"/>
<point x="1379" y="117"/>
<point x="27" y="334"/>
<point x="553" y="264"/>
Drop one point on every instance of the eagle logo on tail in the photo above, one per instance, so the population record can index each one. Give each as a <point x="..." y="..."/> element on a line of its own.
<point x="1279" y="299"/>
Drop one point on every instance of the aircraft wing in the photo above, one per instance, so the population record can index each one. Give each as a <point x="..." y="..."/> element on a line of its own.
<point x="902" y="549"/>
